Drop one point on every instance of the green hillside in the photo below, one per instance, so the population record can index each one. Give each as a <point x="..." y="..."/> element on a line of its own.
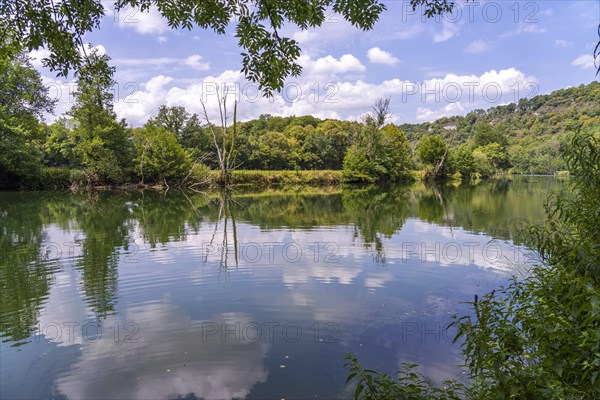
<point x="536" y="129"/>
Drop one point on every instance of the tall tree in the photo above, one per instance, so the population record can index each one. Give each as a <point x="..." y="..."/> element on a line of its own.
<point x="102" y="142"/>
<point x="224" y="139"/>
<point x="23" y="100"/>
<point x="379" y="152"/>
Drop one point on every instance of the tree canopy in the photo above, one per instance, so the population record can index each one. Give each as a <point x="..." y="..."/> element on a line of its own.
<point x="268" y="57"/>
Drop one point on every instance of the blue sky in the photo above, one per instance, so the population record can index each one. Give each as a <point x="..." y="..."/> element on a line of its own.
<point x="487" y="53"/>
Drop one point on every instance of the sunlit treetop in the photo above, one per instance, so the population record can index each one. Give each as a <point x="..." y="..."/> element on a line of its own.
<point x="268" y="58"/>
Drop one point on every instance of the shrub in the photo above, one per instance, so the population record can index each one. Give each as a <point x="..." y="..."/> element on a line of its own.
<point x="409" y="385"/>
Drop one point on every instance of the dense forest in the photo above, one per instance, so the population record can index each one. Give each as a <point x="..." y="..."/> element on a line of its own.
<point x="90" y="146"/>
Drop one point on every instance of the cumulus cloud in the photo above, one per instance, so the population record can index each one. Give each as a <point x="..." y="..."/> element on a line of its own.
<point x="100" y="50"/>
<point x="330" y="66"/>
<point x="447" y="32"/>
<point x="36" y="56"/>
<point x="427" y="114"/>
<point x="454" y="94"/>
<point x="146" y="23"/>
<point x="378" y="56"/>
<point x="585" y="61"/>
<point x="195" y="61"/>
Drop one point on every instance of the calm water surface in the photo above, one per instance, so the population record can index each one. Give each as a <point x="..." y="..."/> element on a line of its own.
<point x="146" y="295"/>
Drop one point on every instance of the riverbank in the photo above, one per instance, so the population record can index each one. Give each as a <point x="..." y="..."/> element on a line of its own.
<point x="63" y="179"/>
<point x="50" y="178"/>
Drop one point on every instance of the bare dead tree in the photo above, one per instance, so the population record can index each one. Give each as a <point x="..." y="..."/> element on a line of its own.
<point x="223" y="138"/>
<point x="380" y="112"/>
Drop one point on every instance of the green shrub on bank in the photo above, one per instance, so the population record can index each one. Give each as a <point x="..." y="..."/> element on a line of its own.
<point x="54" y="178"/>
<point x="408" y="384"/>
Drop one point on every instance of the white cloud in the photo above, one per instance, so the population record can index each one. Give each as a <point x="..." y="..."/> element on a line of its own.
<point x="562" y="43"/>
<point x="216" y="368"/>
<point x="531" y="28"/>
<point x="162" y="39"/>
<point x="150" y="22"/>
<point x="330" y="66"/>
<point x="328" y="88"/>
<point x="101" y="50"/>
<point x="36" y="56"/>
<point x="447" y="32"/>
<point x="477" y="46"/>
<point x="378" y="56"/>
<point x="61" y="91"/>
<point x="585" y="61"/>
<point x="427" y="114"/>
<point x="195" y="61"/>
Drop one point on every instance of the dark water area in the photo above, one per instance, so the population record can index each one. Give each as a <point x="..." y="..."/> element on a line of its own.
<point x="150" y="295"/>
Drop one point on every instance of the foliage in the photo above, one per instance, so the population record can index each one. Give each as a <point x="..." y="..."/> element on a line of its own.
<point x="496" y="155"/>
<point x="431" y="149"/>
<point x="483" y="165"/>
<point x="463" y="162"/>
<point x="359" y="166"/>
<point x="409" y="385"/>
<point x="534" y="132"/>
<point x="396" y="152"/>
<point x="54" y="178"/>
<point x="59" y="145"/>
<point x="23" y="100"/>
<point x="379" y="153"/>
<point x="539" y="337"/>
<point x="186" y="128"/>
<point x="268" y="57"/>
<point x="571" y="236"/>
<point x="536" y="338"/>
<point x="102" y="142"/>
<point x="160" y="158"/>
<point x="484" y="134"/>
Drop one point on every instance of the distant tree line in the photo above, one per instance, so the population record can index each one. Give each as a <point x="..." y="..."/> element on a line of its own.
<point x="90" y="145"/>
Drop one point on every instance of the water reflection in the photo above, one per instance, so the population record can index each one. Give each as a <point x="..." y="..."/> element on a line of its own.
<point x="363" y="260"/>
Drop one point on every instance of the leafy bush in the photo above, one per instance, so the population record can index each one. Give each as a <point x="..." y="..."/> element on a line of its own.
<point x="160" y="157"/>
<point x="431" y="149"/>
<point x="409" y="385"/>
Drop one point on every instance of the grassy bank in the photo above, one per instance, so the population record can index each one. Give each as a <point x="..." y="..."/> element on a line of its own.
<point x="265" y="178"/>
<point x="49" y="178"/>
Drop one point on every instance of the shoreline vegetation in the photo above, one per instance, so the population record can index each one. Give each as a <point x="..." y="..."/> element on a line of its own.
<point x="90" y="147"/>
<point x="54" y="178"/>
<point x="537" y="337"/>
